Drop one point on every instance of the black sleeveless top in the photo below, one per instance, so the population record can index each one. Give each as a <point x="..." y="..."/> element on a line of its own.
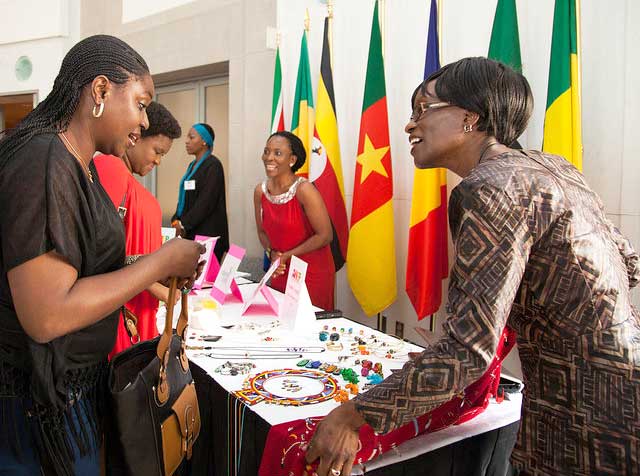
<point x="48" y="204"/>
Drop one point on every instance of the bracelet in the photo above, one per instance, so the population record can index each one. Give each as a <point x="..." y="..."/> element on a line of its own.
<point x="128" y="260"/>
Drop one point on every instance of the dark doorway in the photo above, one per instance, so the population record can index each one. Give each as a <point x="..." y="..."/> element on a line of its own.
<point x="13" y="108"/>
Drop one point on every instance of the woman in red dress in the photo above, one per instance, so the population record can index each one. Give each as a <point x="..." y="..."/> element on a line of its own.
<point x="140" y="211"/>
<point x="291" y="219"/>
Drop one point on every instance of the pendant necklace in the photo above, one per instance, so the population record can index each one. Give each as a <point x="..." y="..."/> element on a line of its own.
<point x="75" y="153"/>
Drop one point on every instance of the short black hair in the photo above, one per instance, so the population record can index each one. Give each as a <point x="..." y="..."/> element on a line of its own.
<point x="499" y="95"/>
<point x="208" y="128"/>
<point x="297" y="148"/>
<point x="94" y="56"/>
<point x="161" y="122"/>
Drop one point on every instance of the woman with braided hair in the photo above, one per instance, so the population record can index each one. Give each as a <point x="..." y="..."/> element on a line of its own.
<point x="63" y="277"/>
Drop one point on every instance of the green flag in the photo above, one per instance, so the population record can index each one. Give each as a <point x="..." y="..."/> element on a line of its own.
<point x="302" y="118"/>
<point x="505" y="39"/>
<point x="563" y="119"/>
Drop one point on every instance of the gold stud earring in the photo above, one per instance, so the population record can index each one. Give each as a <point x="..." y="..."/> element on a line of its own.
<point x="467" y="128"/>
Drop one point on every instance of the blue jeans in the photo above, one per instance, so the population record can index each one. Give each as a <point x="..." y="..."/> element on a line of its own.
<point x="26" y="463"/>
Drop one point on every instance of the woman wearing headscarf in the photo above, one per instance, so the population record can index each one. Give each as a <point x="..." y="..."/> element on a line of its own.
<point x="202" y="207"/>
<point x="534" y="251"/>
<point x="64" y="275"/>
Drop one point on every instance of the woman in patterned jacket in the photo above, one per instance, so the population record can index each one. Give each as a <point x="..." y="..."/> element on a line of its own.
<point x="534" y="251"/>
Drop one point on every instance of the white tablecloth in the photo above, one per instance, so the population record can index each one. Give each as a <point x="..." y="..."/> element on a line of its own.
<point x="496" y="415"/>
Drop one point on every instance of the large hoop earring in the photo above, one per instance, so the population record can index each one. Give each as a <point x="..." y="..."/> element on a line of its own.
<point x="100" y="110"/>
<point x="467" y="128"/>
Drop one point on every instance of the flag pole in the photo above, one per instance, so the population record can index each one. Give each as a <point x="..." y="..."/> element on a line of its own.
<point x="330" y="31"/>
<point x="439" y="5"/>
<point x="579" y="53"/>
<point x="381" y="11"/>
<point x="432" y="317"/>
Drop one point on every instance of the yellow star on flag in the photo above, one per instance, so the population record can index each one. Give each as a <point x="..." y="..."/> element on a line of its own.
<point x="371" y="159"/>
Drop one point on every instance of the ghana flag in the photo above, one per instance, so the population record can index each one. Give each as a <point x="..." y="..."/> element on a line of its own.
<point x="371" y="259"/>
<point x="562" y="121"/>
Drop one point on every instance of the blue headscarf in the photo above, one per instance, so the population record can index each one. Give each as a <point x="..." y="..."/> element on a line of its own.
<point x="204" y="133"/>
<point x="193" y="166"/>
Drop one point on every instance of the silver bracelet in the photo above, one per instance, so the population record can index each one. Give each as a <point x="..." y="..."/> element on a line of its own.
<point x="128" y="260"/>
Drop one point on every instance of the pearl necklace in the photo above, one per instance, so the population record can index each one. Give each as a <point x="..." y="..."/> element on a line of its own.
<point x="76" y="154"/>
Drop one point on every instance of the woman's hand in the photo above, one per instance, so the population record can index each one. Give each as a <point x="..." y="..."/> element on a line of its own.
<point x="181" y="258"/>
<point x="180" y="231"/>
<point x="284" y="259"/>
<point x="336" y="441"/>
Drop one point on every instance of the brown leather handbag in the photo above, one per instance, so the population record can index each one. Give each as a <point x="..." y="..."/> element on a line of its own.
<point x="155" y="418"/>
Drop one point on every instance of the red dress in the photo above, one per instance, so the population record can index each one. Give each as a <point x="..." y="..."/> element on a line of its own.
<point x="142" y="223"/>
<point x="287" y="226"/>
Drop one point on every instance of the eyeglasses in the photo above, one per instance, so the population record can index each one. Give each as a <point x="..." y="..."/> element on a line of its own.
<point x="422" y="107"/>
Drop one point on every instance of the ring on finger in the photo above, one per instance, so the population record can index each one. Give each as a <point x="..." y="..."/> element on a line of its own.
<point x="335" y="472"/>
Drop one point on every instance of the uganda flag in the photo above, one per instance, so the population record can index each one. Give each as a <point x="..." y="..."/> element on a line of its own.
<point x="371" y="260"/>
<point x="326" y="166"/>
<point x="277" y="112"/>
<point x="562" y="121"/>
<point x="302" y="117"/>
<point x="427" y="255"/>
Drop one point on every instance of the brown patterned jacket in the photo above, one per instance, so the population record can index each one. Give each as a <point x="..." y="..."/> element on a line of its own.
<point x="535" y="251"/>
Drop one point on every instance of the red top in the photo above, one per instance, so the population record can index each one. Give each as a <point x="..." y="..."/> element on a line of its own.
<point x="142" y="221"/>
<point x="287" y="226"/>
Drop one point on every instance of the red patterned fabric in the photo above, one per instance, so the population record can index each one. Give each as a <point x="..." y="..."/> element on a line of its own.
<point x="283" y="456"/>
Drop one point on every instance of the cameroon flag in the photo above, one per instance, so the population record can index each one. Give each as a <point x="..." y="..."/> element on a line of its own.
<point x="302" y="118"/>
<point x="562" y="121"/>
<point x="326" y="166"/>
<point x="277" y="112"/>
<point x="427" y="256"/>
<point x="371" y="259"/>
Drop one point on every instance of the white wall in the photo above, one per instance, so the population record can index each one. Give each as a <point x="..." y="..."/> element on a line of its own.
<point x="137" y="9"/>
<point x="610" y="70"/>
<point x="44" y="37"/>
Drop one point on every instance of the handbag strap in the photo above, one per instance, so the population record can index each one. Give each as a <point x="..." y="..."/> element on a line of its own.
<point x="183" y="321"/>
<point x="131" y="325"/>
<point x="162" y="351"/>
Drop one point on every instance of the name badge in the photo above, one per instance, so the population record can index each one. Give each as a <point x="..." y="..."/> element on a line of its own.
<point x="189" y="184"/>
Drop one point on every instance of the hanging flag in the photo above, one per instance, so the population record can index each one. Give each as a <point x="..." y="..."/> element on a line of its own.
<point x="562" y="121"/>
<point x="427" y="258"/>
<point x="326" y="166"/>
<point x="302" y="118"/>
<point x="371" y="260"/>
<point x="505" y="39"/>
<point x="277" y="112"/>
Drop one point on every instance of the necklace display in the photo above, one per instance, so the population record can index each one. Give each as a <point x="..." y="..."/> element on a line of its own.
<point x="76" y="154"/>
<point x="289" y="387"/>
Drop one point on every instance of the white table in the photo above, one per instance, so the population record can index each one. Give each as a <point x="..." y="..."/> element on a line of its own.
<point x="495" y="416"/>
